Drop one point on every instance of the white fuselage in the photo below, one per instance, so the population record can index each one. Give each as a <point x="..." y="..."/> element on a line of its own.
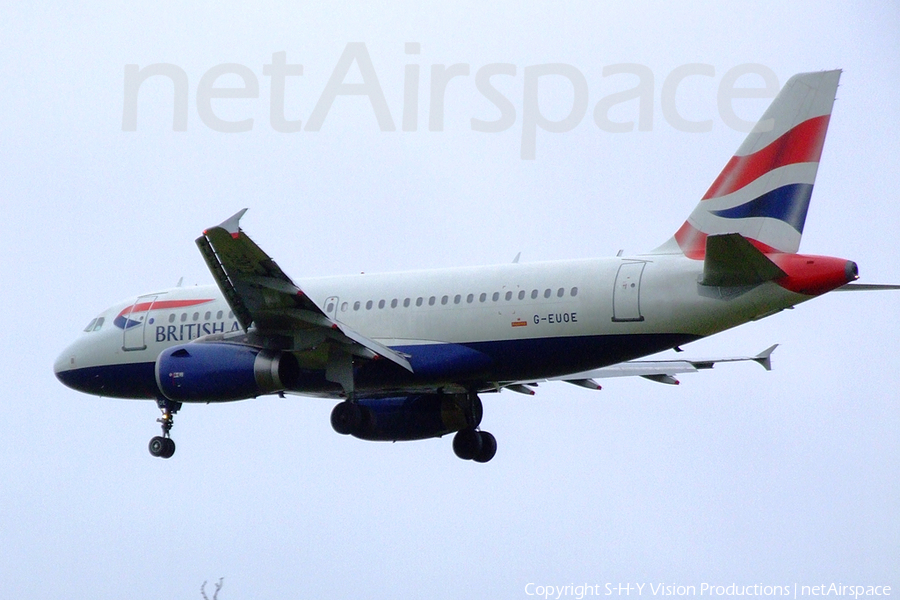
<point x="535" y="320"/>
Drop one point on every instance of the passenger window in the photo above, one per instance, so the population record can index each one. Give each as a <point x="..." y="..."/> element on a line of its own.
<point x="183" y="317"/>
<point x="381" y="304"/>
<point x="431" y="301"/>
<point x="329" y="307"/>
<point x="495" y="296"/>
<point x="456" y="299"/>
<point x="534" y="294"/>
<point x="172" y="317"/>
<point x="547" y="293"/>
<point x="509" y="296"/>
<point x="444" y="299"/>
<point x="406" y="303"/>
<point x="207" y="316"/>
<point x="560" y="292"/>
<point x="230" y="314"/>
<point x="218" y="316"/>
<point x="521" y="294"/>
<point x="394" y="303"/>
<point x="419" y="301"/>
<point x="574" y="292"/>
<point x="344" y="307"/>
<point x="470" y="298"/>
<point x="482" y="297"/>
<point x="369" y="305"/>
<point x="196" y="316"/>
<point x="356" y="305"/>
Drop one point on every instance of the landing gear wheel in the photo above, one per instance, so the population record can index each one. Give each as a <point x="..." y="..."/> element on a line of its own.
<point x="488" y="447"/>
<point x="162" y="447"/>
<point x="157" y="444"/>
<point x="169" y="450"/>
<point x="346" y="417"/>
<point x="467" y="443"/>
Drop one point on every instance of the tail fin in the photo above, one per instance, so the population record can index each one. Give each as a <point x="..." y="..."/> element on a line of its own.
<point x="763" y="192"/>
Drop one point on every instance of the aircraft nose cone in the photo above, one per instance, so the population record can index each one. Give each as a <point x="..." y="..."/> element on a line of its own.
<point x="62" y="361"/>
<point x="63" y="368"/>
<point x="67" y="379"/>
<point x="72" y="367"/>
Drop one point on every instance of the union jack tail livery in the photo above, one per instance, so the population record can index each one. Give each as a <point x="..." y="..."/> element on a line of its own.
<point x="763" y="192"/>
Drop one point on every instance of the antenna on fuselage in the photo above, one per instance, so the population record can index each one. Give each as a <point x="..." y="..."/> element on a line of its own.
<point x="180" y="281"/>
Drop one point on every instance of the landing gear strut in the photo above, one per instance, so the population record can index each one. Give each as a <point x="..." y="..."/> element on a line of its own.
<point x="163" y="446"/>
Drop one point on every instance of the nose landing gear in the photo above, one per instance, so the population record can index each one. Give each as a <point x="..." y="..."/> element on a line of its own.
<point x="163" y="446"/>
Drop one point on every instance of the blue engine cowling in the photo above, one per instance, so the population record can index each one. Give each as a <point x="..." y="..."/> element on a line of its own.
<point x="218" y="372"/>
<point x="415" y="417"/>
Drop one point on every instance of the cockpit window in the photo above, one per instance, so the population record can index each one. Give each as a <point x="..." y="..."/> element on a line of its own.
<point x="94" y="325"/>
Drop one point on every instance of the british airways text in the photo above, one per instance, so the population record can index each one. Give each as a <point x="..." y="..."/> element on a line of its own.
<point x="190" y="331"/>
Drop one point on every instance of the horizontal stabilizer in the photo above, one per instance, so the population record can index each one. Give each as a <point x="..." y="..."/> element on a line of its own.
<point x="731" y="260"/>
<point x="867" y="287"/>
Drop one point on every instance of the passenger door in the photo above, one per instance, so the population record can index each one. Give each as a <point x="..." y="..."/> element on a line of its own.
<point x="136" y="322"/>
<point x="627" y="293"/>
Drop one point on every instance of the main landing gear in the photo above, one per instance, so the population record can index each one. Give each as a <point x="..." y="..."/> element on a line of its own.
<point x="419" y="417"/>
<point x="162" y="445"/>
<point x="472" y="444"/>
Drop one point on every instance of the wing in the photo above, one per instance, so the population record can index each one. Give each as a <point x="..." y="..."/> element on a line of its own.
<point x="662" y="371"/>
<point x="262" y="296"/>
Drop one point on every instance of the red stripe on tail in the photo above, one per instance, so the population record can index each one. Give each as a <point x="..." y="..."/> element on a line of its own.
<point x="801" y="144"/>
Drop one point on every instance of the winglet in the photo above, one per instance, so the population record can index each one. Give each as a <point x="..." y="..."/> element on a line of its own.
<point x="233" y="224"/>
<point x="764" y="358"/>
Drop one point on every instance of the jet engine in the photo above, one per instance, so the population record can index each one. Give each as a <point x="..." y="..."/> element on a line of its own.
<point x="405" y="418"/>
<point x="219" y="372"/>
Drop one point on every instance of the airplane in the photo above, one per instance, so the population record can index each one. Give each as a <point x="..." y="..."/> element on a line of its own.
<point x="408" y="355"/>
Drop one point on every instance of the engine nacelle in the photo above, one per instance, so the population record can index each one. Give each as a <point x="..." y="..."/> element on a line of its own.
<point x="218" y="372"/>
<point x="414" y="417"/>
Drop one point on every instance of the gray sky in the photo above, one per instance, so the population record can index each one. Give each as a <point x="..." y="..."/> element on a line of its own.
<point x="736" y="476"/>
